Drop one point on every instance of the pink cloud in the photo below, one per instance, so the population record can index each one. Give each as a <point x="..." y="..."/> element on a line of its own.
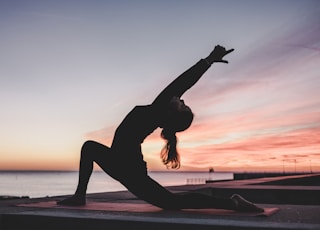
<point x="301" y="145"/>
<point x="263" y="110"/>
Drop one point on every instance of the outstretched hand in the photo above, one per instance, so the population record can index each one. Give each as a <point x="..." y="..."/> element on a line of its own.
<point x="218" y="54"/>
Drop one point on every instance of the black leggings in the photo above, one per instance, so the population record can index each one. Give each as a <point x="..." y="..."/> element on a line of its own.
<point x="140" y="184"/>
<point x="150" y="191"/>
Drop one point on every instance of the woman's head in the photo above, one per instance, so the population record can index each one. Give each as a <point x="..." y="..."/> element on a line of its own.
<point x="179" y="117"/>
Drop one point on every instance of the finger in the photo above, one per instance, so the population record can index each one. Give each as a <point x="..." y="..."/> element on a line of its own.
<point x="229" y="51"/>
<point x="224" y="61"/>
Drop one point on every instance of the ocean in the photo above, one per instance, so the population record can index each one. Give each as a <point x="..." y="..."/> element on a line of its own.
<point x="37" y="184"/>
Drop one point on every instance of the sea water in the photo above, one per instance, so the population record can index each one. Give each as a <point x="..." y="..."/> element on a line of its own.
<point x="36" y="184"/>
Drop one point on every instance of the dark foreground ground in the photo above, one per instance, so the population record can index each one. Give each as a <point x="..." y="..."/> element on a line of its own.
<point x="297" y="198"/>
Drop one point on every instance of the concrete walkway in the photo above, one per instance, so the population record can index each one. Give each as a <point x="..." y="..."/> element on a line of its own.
<point x="299" y="208"/>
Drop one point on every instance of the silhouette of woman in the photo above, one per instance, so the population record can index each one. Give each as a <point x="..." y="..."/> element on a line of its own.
<point x="124" y="162"/>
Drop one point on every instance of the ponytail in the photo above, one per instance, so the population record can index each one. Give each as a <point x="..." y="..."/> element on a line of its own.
<point x="169" y="155"/>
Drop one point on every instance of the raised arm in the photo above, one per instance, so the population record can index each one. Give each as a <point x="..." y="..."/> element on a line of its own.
<point x="187" y="79"/>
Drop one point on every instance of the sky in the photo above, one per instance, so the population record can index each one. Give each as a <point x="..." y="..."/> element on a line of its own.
<point x="71" y="70"/>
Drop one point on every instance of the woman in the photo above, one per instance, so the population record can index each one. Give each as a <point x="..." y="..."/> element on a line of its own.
<point x="124" y="162"/>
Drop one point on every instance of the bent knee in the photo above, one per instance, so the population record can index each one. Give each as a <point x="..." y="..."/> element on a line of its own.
<point x="94" y="149"/>
<point x="92" y="146"/>
<point x="88" y="145"/>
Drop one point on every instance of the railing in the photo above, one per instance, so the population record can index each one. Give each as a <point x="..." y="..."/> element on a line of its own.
<point x="191" y="181"/>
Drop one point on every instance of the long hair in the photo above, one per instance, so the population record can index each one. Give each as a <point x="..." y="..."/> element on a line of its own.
<point x="177" y="122"/>
<point x="169" y="154"/>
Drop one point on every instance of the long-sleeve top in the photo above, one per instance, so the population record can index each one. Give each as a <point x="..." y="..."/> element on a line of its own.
<point x="141" y="121"/>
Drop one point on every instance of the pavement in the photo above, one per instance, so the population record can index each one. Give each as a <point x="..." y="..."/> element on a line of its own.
<point x="296" y="197"/>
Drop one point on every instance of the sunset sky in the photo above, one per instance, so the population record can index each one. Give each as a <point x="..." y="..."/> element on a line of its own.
<point x="71" y="70"/>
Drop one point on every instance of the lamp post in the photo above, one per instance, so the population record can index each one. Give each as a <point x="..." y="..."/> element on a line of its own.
<point x="310" y="166"/>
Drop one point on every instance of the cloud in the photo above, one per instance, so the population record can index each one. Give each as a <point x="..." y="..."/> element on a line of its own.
<point x="300" y="145"/>
<point x="271" y="61"/>
<point x="258" y="111"/>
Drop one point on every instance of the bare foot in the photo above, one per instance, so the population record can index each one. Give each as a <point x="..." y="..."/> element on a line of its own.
<point x="73" y="201"/>
<point x="243" y="205"/>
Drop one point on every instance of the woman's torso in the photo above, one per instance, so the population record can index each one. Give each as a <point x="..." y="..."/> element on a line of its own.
<point x="140" y="122"/>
